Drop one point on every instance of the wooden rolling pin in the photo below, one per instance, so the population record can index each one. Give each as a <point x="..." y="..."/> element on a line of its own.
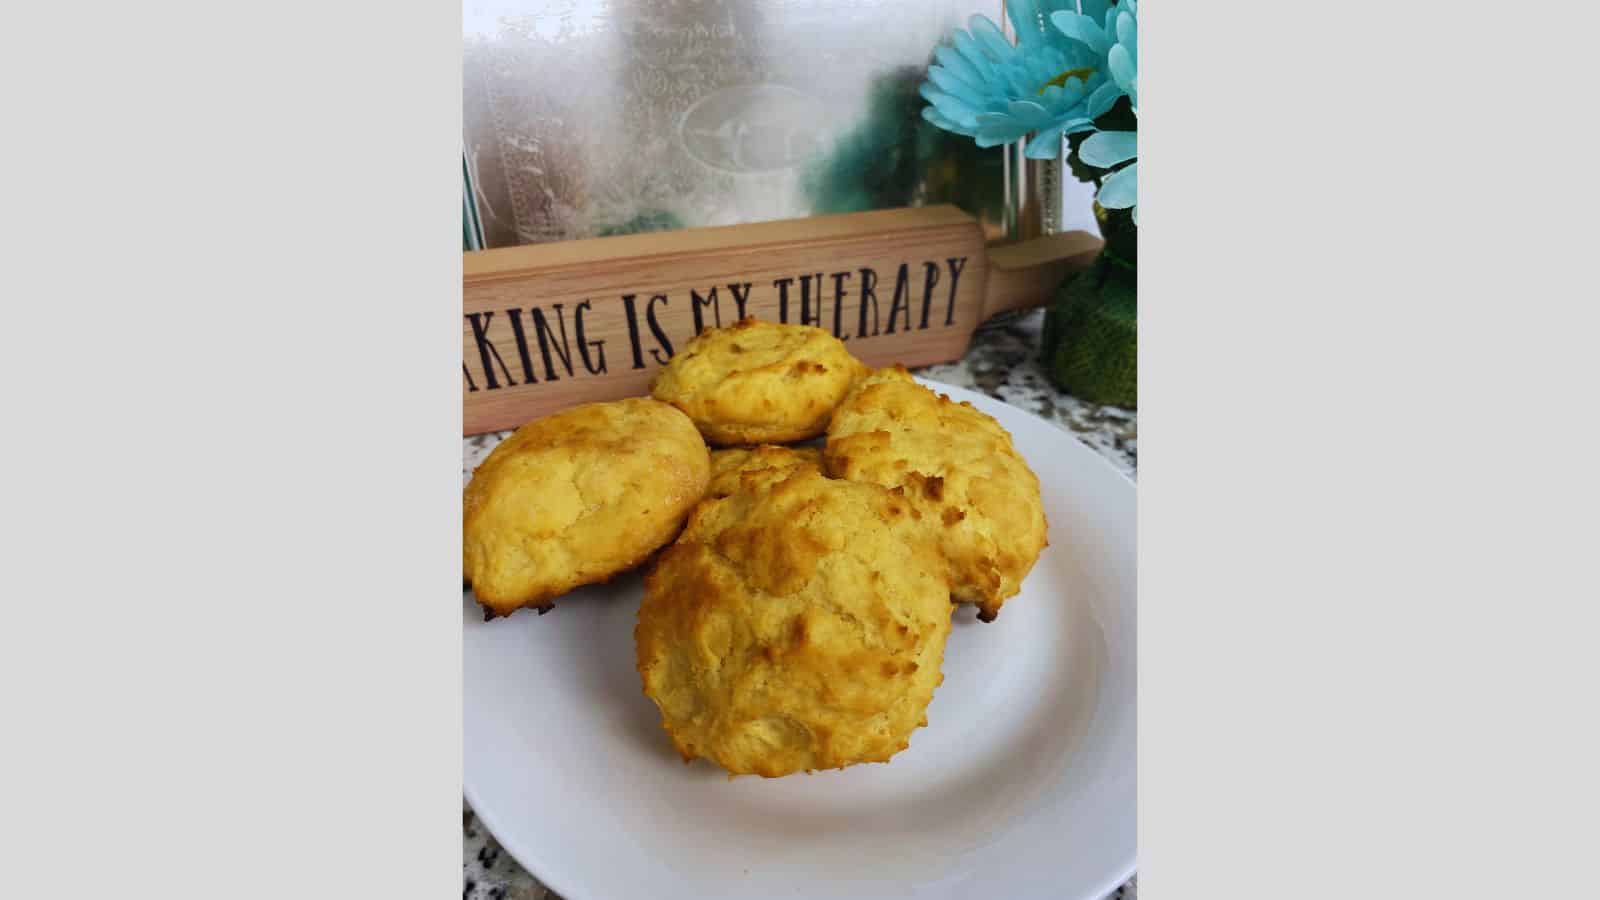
<point x="546" y="326"/>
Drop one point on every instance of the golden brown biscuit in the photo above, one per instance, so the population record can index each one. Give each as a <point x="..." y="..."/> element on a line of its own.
<point x="729" y="467"/>
<point x="795" y="625"/>
<point x="958" y="466"/>
<point x="577" y="497"/>
<point x="759" y="382"/>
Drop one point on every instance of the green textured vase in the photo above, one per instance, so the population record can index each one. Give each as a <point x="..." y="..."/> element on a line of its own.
<point x="1091" y="334"/>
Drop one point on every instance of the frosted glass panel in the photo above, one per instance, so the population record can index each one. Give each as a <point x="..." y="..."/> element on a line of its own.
<point x="594" y="118"/>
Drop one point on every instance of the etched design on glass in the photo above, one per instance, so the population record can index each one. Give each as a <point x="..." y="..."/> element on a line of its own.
<point x="752" y="128"/>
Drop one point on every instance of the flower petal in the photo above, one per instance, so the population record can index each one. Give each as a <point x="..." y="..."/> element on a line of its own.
<point x="974" y="53"/>
<point x="1015" y="81"/>
<point x="1028" y="113"/>
<point x="949" y="107"/>
<point x="1024" y="15"/>
<point x="1109" y="148"/>
<point x="1068" y="94"/>
<point x="939" y="120"/>
<point x="1127" y="30"/>
<point x="1120" y="190"/>
<point x="1044" y="145"/>
<point x="933" y="95"/>
<point x="1120" y="62"/>
<point x="995" y="129"/>
<point x="1104" y="97"/>
<point x="958" y="65"/>
<point x="986" y="141"/>
<point x="1082" y="29"/>
<point x="950" y="84"/>
<point x="993" y="40"/>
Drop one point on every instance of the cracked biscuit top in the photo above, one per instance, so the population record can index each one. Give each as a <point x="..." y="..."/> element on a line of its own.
<point x="799" y="623"/>
<point x="955" y="464"/>
<point x="577" y="497"/>
<point x="759" y="382"/>
<point x="730" y="468"/>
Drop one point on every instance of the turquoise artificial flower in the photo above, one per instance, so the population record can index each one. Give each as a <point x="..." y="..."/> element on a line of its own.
<point x="996" y="92"/>
<point x="1111" y="32"/>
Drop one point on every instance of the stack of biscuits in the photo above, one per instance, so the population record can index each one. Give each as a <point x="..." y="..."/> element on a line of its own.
<point x="797" y="598"/>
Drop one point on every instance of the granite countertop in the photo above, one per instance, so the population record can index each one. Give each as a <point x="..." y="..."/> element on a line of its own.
<point x="1000" y="363"/>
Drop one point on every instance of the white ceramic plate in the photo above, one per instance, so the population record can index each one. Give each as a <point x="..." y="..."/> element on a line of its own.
<point x="1021" y="785"/>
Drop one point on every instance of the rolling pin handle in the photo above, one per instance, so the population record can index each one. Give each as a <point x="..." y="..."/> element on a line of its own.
<point x="1027" y="273"/>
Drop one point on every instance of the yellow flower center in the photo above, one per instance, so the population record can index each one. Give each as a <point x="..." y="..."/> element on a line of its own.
<point x="1061" y="80"/>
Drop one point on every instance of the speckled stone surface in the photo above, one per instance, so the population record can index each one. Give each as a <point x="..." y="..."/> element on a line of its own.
<point x="1001" y="363"/>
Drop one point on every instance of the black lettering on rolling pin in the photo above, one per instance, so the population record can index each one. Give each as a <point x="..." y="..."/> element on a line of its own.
<point x="902" y="299"/>
<point x="741" y="294"/>
<point x="515" y="315"/>
<point x="655" y="329"/>
<point x="839" y="278"/>
<point x="633" y="330"/>
<point x="547" y="341"/>
<point x="486" y="350"/>
<point x="956" y="265"/>
<point x="930" y="272"/>
<point x="696" y="302"/>
<point x="869" y="285"/>
<point x="807" y="315"/>
<point x="782" y="284"/>
<point x="583" y="346"/>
